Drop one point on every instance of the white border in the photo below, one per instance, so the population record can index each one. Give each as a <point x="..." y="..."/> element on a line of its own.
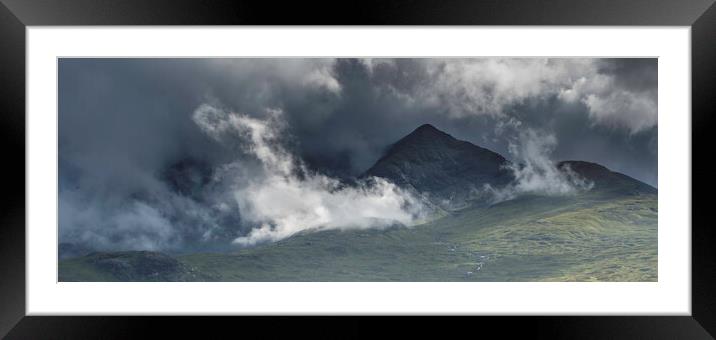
<point x="670" y="295"/>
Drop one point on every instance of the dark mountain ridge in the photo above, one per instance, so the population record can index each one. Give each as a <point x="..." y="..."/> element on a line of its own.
<point x="452" y="172"/>
<point x="434" y="162"/>
<point x="604" y="179"/>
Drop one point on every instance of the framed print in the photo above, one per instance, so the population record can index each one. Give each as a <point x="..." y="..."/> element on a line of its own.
<point x="447" y="163"/>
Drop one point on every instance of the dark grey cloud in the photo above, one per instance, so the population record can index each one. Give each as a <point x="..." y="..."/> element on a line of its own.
<point x="124" y="122"/>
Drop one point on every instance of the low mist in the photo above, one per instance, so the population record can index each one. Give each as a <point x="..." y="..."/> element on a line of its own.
<point x="285" y="198"/>
<point x="534" y="170"/>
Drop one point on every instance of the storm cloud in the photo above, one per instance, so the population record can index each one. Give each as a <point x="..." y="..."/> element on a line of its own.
<point x="128" y="133"/>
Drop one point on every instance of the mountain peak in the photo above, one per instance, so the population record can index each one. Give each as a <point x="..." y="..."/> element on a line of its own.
<point x="427" y="128"/>
<point x="425" y="137"/>
<point x="426" y="133"/>
<point x="432" y="161"/>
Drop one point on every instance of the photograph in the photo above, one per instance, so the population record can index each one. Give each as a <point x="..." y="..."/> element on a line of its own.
<point x="430" y="169"/>
<point x="231" y="166"/>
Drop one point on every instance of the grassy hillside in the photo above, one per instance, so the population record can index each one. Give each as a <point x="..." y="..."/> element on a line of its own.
<point x="129" y="266"/>
<point x="584" y="238"/>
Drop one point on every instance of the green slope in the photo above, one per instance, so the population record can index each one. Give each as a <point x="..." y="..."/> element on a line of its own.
<point x="532" y="239"/>
<point x="128" y="266"/>
<point x="591" y="237"/>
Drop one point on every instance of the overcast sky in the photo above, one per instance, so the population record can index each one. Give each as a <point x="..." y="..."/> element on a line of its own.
<point x="122" y="122"/>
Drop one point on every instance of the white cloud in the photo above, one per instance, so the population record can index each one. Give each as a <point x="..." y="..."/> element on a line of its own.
<point x="323" y="78"/>
<point x="612" y="105"/>
<point x="491" y="86"/>
<point x="268" y="78"/>
<point x="470" y="86"/>
<point x="132" y="226"/>
<point x="534" y="170"/>
<point x="286" y="198"/>
<point x="372" y="63"/>
<point x="622" y="109"/>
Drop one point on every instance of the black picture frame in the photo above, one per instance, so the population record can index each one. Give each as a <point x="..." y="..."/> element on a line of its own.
<point x="15" y="15"/>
